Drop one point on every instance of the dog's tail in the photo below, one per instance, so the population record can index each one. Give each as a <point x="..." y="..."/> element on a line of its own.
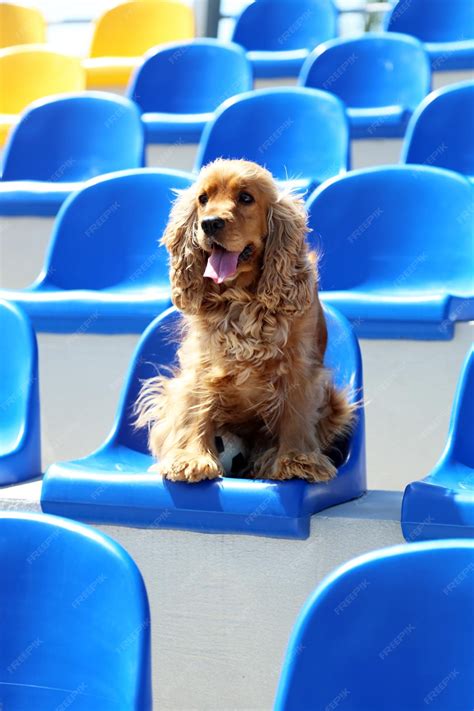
<point x="337" y="417"/>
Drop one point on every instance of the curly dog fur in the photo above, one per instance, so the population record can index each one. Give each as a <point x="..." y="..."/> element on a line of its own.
<point x="251" y="358"/>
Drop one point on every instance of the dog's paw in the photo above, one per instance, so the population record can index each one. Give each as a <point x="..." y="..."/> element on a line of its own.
<point x="190" y="467"/>
<point x="310" y="466"/>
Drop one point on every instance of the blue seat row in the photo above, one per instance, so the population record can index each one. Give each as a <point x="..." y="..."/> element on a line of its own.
<point x="301" y="134"/>
<point x="440" y="506"/>
<point x="397" y="261"/>
<point x="369" y="635"/>
<point x="279" y="34"/>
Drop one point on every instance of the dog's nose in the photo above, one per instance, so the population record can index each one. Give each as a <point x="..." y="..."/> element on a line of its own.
<point x="211" y="225"/>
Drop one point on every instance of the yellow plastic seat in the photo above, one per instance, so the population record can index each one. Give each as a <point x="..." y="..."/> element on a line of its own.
<point x="123" y="34"/>
<point x="30" y="72"/>
<point x="20" y="25"/>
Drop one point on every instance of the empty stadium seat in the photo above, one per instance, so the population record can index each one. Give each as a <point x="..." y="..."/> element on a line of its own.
<point x="387" y="630"/>
<point x="20" y="448"/>
<point x="301" y="135"/>
<point x="132" y="495"/>
<point x="178" y="87"/>
<point x="104" y="271"/>
<point x="279" y="34"/>
<point x="20" y="25"/>
<point x="381" y="78"/>
<point x="442" y="504"/>
<point x="75" y="619"/>
<point x="61" y="142"/>
<point x="396" y="250"/>
<point x="125" y="32"/>
<point x="445" y="28"/>
<point x="441" y="131"/>
<point x="30" y="72"/>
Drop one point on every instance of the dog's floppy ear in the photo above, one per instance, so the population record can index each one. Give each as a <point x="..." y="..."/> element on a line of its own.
<point x="186" y="259"/>
<point x="288" y="278"/>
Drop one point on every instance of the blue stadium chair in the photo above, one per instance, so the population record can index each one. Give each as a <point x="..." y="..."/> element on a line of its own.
<point x="387" y="630"/>
<point x="178" y="87"/>
<point x="442" y="504"/>
<point x="61" y="142"/>
<point x="300" y="135"/>
<point x="75" y="619"/>
<point x="441" y="131"/>
<point x="20" y="445"/>
<point x="380" y="77"/>
<point x="279" y="34"/>
<point x="131" y="495"/>
<point x="396" y="246"/>
<point x="104" y="271"/>
<point x="446" y="28"/>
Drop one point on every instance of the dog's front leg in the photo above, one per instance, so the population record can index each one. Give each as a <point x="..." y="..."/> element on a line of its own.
<point x="183" y="442"/>
<point x="296" y="453"/>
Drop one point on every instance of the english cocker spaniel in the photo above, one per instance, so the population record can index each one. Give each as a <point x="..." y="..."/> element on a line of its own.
<point x="251" y="358"/>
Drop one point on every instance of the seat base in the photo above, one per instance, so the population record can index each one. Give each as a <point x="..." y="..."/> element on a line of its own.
<point x="109" y="71"/>
<point x="84" y="311"/>
<point x="34" y="197"/>
<point x="277" y="64"/>
<point x="436" y="507"/>
<point x="383" y="122"/>
<point x="114" y="486"/>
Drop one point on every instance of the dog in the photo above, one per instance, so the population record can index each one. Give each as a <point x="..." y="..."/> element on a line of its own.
<point x="251" y="356"/>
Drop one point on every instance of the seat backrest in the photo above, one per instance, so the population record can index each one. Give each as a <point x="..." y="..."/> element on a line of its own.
<point x="74" y="138"/>
<point x="294" y="132"/>
<point x="132" y="28"/>
<point x="433" y="20"/>
<point x="157" y="350"/>
<point x="190" y="77"/>
<point x="396" y="226"/>
<point x="461" y="438"/>
<point x="106" y="235"/>
<point x="441" y="130"/>
<point x="388" y="630"/>
<point x="378" y="69"/>
<point x="282" y="25"/>
<point x="75" y="618"/>
<point x="31" y="72"/>
<point x="20" y="25"/>
<point x="19" y="400"/>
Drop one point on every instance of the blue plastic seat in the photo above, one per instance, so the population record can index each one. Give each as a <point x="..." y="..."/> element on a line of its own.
<point x="301" y="135"/>
<point x="131" y="495"/>
<point x="445" y="28"/>
<point x="104" y="271"/>
<point x="388" y="630"/>
<point x="61" y="142"/>
<point x="75" y="619"/>
<point x="441" y="131"/>
<point x="179" y="87"/>
<point x="397" y="255"/>
<point x="442" y="504"/>
<point x="279" y="34"/>
<point x="20" y="442"/>
<point x="381" y="78"/>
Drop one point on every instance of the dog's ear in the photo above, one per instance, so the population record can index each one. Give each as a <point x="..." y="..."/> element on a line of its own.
<point x="186" y="259"/>
<point x="288" y="279"/>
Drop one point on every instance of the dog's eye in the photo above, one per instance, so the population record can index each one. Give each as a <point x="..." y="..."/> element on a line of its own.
<point x="246" y="198"/>
<point x="203" y="199"/>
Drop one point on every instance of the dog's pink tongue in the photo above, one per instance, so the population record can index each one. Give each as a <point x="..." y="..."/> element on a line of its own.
<point x="221" y="264"/>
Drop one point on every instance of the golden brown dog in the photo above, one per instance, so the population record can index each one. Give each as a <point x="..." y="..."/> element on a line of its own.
<point x="251" y="361"/>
